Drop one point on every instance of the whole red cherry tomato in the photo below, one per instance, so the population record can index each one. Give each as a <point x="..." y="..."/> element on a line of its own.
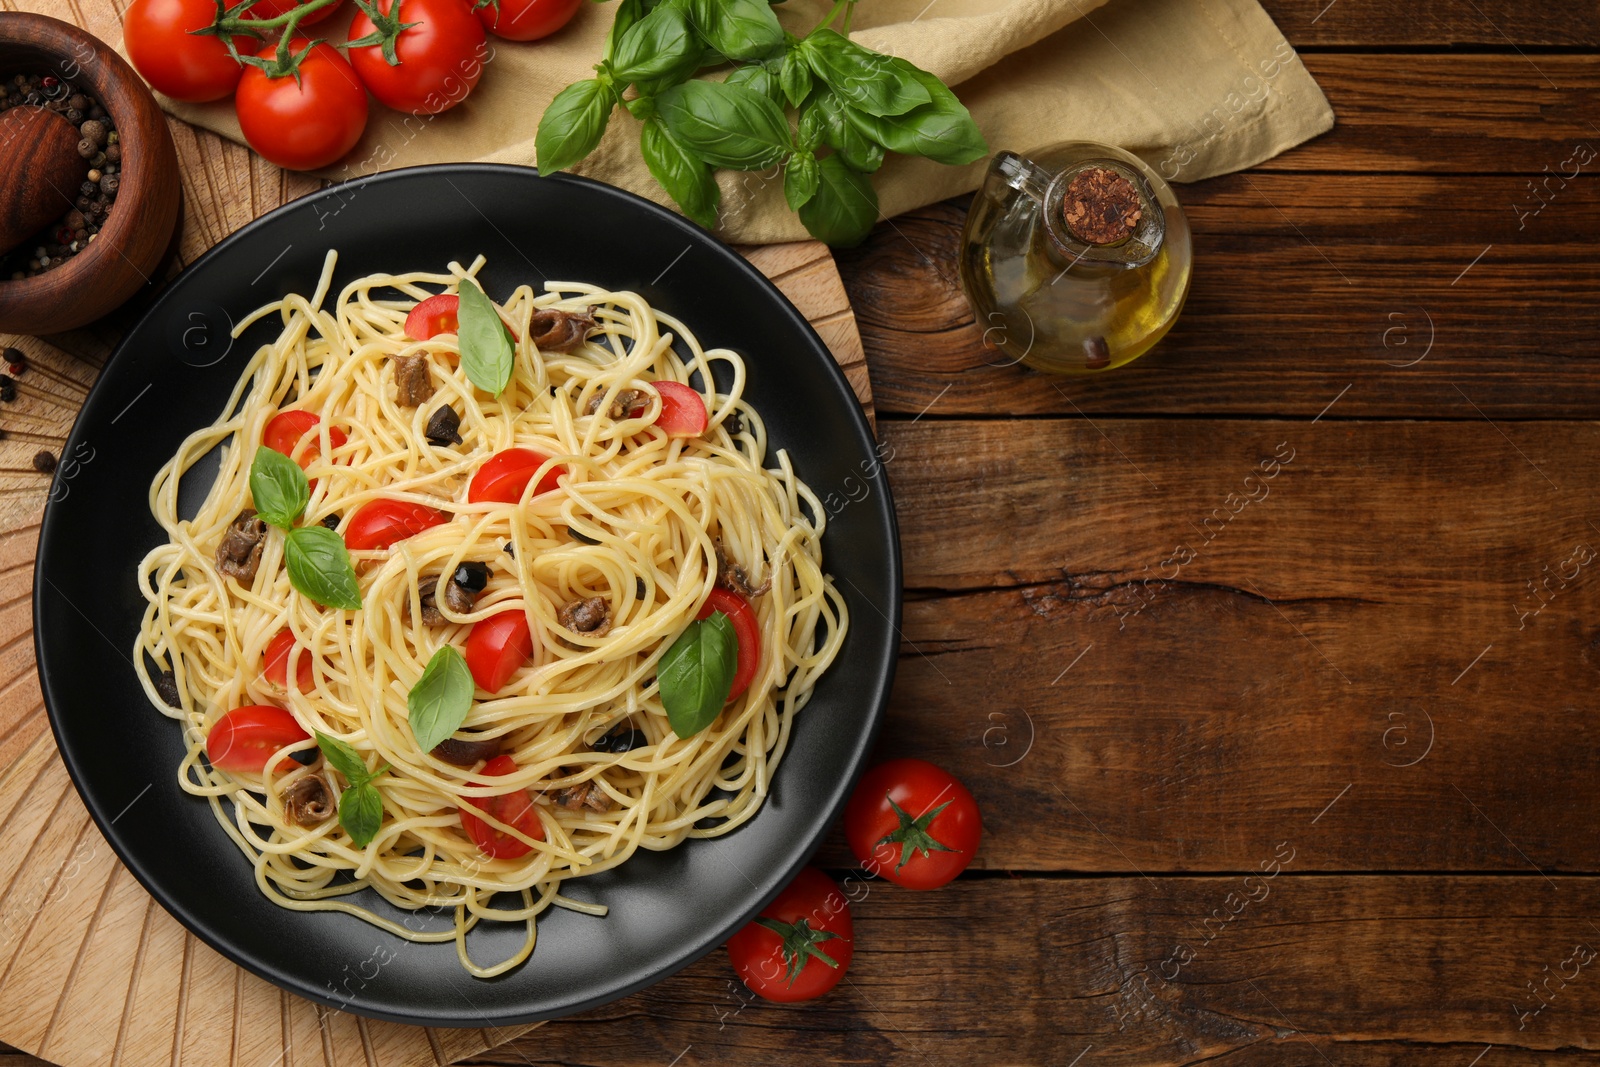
<point x="506" y="474"/>
<point x="683" y="412"/>
<point x="243" y="738"/>
<point x="913" y="823"/>
<point x="174" y="60"/>
<point x="304" y="124"/>
<point x="496" y="647"/>
<point x="516" y="810"/>
<point x="527" y="20"/>
<point x="439" y="57"/>
<point x="262" y="10"/>
<point x="275" y="662"/>
<point x="745" y="628"/>
<point x="380" y="523"/>
<point x="800" y="945"/>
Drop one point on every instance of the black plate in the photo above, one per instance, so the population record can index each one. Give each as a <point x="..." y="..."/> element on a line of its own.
<point x="172" y="375"/>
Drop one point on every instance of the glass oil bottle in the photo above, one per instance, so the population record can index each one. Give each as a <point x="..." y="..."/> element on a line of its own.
<point x="1076" y="260"/>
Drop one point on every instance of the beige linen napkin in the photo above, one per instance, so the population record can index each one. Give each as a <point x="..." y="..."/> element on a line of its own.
<point x="1196" y="87"/>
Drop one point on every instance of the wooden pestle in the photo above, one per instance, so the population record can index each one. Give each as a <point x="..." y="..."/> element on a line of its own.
<point x="40" y="172"/>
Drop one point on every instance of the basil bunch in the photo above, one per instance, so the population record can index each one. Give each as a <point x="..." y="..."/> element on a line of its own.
<point x="316" y="558"/>
<point x="852" y="104"/>
<point x="360" y="805"/>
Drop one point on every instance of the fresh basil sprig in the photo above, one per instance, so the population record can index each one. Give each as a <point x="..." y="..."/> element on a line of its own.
<point x="697" y="672"/>
<point x="438" y="704"/>
<point x="316" y="558"/>
<point x="360" y="805"/>
<point x="486" y="352"/>
<point x="853" y="105"/>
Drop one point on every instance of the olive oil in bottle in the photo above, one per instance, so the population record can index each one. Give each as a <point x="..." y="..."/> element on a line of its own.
<point x="1076" y="260"/>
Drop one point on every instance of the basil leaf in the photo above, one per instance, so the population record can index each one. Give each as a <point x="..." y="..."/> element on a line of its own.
<point x="438" y="704"/>
<point x="696" y="674"/>
<point x="942" y="130"/>
<point x="866" y="80"/>
<point x="795" y="76"/>
<point x="486" y="353"/>
<point x="800" y="180"/>
<point x="726" y="125"/>
<point x="344" y="759"/>
<point x="739" y="29"/>
<point x="684" y="175"/>
<point x="319" y="566"/>
<point x="628" y="12"/>
<point x="361" y="813"/>
<point x="659" y="44"/>
<point x="845" y="206"/>
<point x="279" y="487"/>
<point x="572" y="125"/>
<point x="760" y="77"/>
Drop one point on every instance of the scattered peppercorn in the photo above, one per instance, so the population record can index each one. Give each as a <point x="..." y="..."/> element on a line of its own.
<point x="44" y="462"/>
<point x="8" y="388"/>
<point x="16" y="362"/>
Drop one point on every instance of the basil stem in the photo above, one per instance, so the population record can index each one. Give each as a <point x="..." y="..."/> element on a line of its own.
<point x="438" y="704"/>
<point x="278" y="487"/>
<point x="696" y="674"/>
<point x="486" y="352"/>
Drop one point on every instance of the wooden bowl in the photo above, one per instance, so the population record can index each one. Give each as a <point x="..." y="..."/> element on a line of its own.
<point x="128" y="253"/>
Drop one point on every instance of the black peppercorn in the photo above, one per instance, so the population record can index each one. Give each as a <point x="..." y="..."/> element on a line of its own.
<point x="8" y="388"/>
<point x="44" y="462"/>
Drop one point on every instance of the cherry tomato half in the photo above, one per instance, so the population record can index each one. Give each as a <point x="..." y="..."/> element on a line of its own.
<point x="683" y="413"/>
<point x="173" y="59"/>
<point x="505" y="475"/>
<point x="307" y="123"/>
<point x="441" y="55"/>
<point x="434" y="316"/>
<point x="913" y="823"/>
<point x="745" y="628"/>
<point x="243" y="738"/>
<point x="801" y="944"/>
<point x="497" y="646"/>
<point x="275" y="662"/>
<point x="516" y="810"/>
<point x="380" y="523"/>
<point x="271" y="9"/>
<point x="294" y="433"/>
<point x="527" y="20"/>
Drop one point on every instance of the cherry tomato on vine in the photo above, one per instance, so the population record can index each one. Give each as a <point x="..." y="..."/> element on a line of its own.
<point x="380" y="523"/>
<point x="516" y="810"/>
<point x="438" y="57"/>
<point x="496" y="647"/>
<point x="304" y="124"/>
<point x="275" y="662"/>
<point x="683" y="412"/>
<point x="243" y="738"/>
<point x="800" y="945"/>
<point x="913" y="823"/>
<point x="506" y="474"/>
<point x="527" y="20"/>
<point x="294" y="434"/>
<point x="271" y="9"/>
<point x="174" y="60"/>
<point x="745" y="628"/>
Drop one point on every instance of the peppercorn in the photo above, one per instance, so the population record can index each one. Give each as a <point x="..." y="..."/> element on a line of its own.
<point x="97" y="112"/>
<point x="109" y="184"/>
<point x="44" y="462"/>
<point x="79" y="102"/>
<point x="114" y="153"/>
<point x="94" y="130"/>
<point x="8" y="388"/>
<point x="15" y="360"/>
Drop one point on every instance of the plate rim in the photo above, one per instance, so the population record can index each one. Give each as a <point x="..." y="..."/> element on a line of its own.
<point x="715" y="935"/>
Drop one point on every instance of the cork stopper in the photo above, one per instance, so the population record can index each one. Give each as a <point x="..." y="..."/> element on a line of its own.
<point x="1101" y="207"/>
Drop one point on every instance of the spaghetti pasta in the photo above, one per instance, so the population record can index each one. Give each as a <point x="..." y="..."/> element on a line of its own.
<point x="644" y="520"/>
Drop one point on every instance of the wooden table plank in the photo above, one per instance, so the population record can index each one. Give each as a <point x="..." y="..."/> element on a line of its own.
<point x="1436" y="23"/>
<point x="1303" y="284"/>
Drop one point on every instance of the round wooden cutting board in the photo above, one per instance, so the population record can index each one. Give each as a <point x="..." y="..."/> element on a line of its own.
<point x="92" y="971"/>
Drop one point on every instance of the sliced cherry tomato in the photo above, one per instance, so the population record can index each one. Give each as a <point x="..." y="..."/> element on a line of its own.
<point x="912" y="822"/>
<point x="380" y="523"/>
<point x="304" y="122"/>
<point x="275" y="663"/>
<point x="434" y="316"/>
<point x="294" y="433"/>
<point x="516" y="810"/>
<point x="527" y="20"/>
<point x="497" y="646"/>
<point x="160" y="41"/>
<point x="271" y="9"/>
<point x="683" y="413"/>
<point x="243" y="738"/>
<point x="801" y="944"/>
<point x="506" y="474"/>
<point x="745" y="628"/>
<point x="440" y="54"/>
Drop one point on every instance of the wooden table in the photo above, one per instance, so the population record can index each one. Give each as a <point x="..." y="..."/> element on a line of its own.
<point x="1328" y="796"/>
